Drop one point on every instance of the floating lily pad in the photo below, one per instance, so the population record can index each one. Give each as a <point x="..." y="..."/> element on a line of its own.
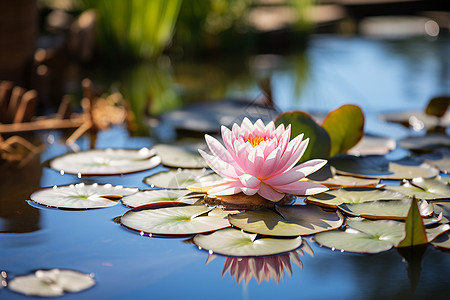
<point x="180" y="179"/>
<point x="51" y="283"/>
<point x="81" y="196"/>
<point x="159" y="196"/>
<point x="363" y="236"/>
<point x="417" y="120"/>
<point x="373" y="145"/>
<point x="345" y="126"/>
<point x="319" y="145"/>
<point x="442" y="241"/>
<point x="443" y="207"/>
<point x="439" y="158"/>
<point x="328" y="177"/>
<point x="288" y="220"/>
<point x="181" y="155"/>
<point x="106" y="161"/>
<point x="234" y="242"/>
<point x="424" y="143"/>
<point x="333" y="198"/>
<point x="385" y="209"/>
<point x="179" y="220"/>
<point x="427" y="189"/>
<point x="377" y="166"/>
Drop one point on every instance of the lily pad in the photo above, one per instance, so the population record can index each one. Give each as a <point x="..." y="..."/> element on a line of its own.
<point x="180" y="179"/>
<point x="160" y="196"/>
<point x="287" y="220"/>
<point x="319" y="145"/>
<point x="51" y="283"/>
<point x="373" y="145"/>
<point x="178" y="220"/>
<point x="233" y="242"/>
<point x="328" y="177"/>
<point x="422" y="188"/>
<point x="363" y="236"/>
<point x="424" y="143"/>
<point x="181" y="155"/>
<point x="442" y="241"/>
<point x="345" y="126"/>
<point x="417" y="120"/>
<point x="439" y="158"/>
<point x="106" y="161"/>
<point x="377" y="166"/>
<point x="81" y="196"/>
<point x="385" y="209"/>
<point x="333" y="198"/>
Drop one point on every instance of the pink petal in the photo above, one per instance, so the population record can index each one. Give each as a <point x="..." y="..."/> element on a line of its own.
<point x="207" y="184"/>
<point x="222" y="168"/>
<point x="296" y="173"/>
<point x="270" y="163"/>
<point x="302" y="188"/>
<point x="249" y="191"/>
<point x="229" y="188"/>
<point x="292" y="156"/>
<point x="249" y="181"/>
<point x="269" y="193"/>
<point x="255" y="161"/>
<point x="218" y="149"/>
<point x="311" y="166"/>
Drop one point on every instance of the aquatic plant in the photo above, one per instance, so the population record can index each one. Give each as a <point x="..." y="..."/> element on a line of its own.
<point x="259" y="159"/>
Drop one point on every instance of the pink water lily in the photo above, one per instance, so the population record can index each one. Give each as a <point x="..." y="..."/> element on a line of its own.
<point x="259" y="159"/>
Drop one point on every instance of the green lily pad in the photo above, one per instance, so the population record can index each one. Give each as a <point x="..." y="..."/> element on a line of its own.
<point x="234" y="242"/>
<point x="363" y="236"/>
<point x="377" y="166"/>
<point x="417" y="120"/>
<point x="319" y="145"/>
<point x="442" y="241"/>
<point x="51" y="283"/>
<point x="444" y="207"/>
<point x="424" y="143"/>
<point x="160" y="196"/>
<point x="422" y="188"/>
<point x="439" y="158"/>
<point x="333" y="198"/>
<point x="373" y="145"/>
<point x="345" y="126"/>
<point x="178" y="220"/>
<point x="106" y="161"/>
<point x="181" y="155"/>
<point x="81" y="196"/>
<point x="180" y="179"/>
<point x="385" y="209"/>
<point x="288" y="220"/>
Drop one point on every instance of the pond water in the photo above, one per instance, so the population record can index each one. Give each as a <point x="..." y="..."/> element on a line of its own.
<point x="377" y="75"/>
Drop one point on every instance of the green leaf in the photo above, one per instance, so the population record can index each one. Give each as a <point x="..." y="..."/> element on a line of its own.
<point x="422" y="188"/>
<point x="81" y="196"/>
<point x="234" y="242"/>
<point x="106" y="161"/>
<point x="160" y="196"/>
<point x="377" y="166"/>
<point x="345" y="126"/>
<point x="178" y="220"/>
<point x="287" y="220"/>
<point x="182" y="154"/>
<point x="385" y="209"/>
<point x="51" y="283"/>
<point x="179" y="179"/>
<point x="319" y="145"/>
<point x="438" y="106"/>
<point x="363" y="236"/>
<point x="414" y="228"/>
<point x="333" y="198"/>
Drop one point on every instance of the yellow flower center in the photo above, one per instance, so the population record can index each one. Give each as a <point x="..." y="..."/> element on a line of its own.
<point x="255" y="140"/>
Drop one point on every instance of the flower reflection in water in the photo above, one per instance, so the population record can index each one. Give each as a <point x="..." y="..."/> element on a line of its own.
<point x="264" y="268"/>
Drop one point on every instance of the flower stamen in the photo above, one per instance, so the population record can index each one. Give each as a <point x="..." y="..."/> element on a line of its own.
<point x="255" y="140"/>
